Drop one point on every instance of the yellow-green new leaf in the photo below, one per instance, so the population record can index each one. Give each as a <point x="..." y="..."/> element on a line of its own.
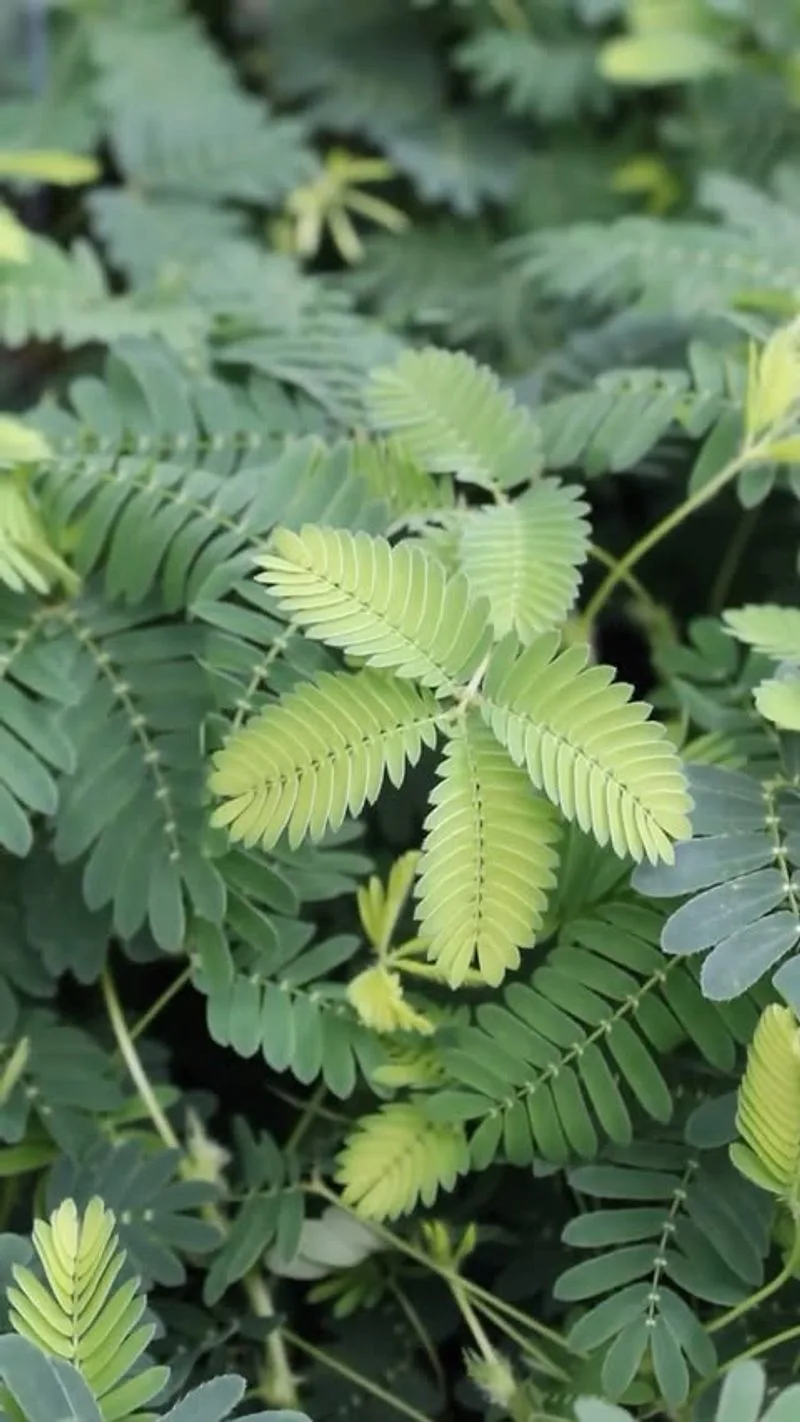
<point x="773" y="631"/>
<point x="663" y="57"/>
<point x="77" y="1315"/>
<point x="19" y="444"/>
<point x="396" y="1158"/>
<point x="768" y="1114"/>
<point x="773" y="386"/>
<point x="488" y="861"/>
<point x="593" y="751"/>
<point x="48" y="165"/>
<point x="453" y="417"/>
<point x="14" y="239"/>
<point x="525" y="558"/>
<point x="320" y="754"/>
<point x="391" y="607"/>
<point x="778" y="701"/>
<point x="27" y="559"/>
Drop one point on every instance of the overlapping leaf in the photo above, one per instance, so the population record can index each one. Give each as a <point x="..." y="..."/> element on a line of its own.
<point x="671" y="1225"/>
<point x="589" y="747"/>
<point x="487" y="862"/>
<point x="320" y="754"/>
<point x="399" y="1157"/>
<point x="560" y="1063"/>
<point x="79" y="1316"/>
<point x="392" y="607"/>
<point x="454" y="418"/>
<point x="739" y="897"/>
<point x="525" y="558"/>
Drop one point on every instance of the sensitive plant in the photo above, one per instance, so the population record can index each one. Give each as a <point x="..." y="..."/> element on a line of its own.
<point x="399" y="1001"/>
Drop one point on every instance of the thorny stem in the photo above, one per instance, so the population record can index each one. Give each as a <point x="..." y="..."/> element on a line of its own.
<point x="697" y="500"/>
<point x="281" y="1385"/>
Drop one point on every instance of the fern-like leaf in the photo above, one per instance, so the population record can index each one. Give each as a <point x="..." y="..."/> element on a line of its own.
<point x="397" y="1157"/>
<point x="75" y="1315"/>
<point x="393" y="607"/>
<point x="488" y="859"/>
<point x="525" y="557"/>
<point x="454" y="418"/>
<point x="589" y="747"/>
<point x="768" y="1115"/>
<point x="321" y="754"/>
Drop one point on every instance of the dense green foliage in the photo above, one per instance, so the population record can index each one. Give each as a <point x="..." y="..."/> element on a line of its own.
<point x="399" y="710"/>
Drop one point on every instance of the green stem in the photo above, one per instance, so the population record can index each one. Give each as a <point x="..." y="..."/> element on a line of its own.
<point x="148" y="1017"/>
<point x="395" y="1241"/>
<point x="754" y="1300"/>
<point x="697" y="500"/>
<point x="471" y="1319"/>
<point x="730" y="563"/>
<point x="337" y="1366"/>
<point x="281" y="1388"/>
<point x="602" y="555"/>
<point x="405" y="1304"/>
<point x="306" y="1118"/>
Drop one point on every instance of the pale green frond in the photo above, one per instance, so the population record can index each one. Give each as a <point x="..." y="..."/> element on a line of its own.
<point x="525" y="558"/>
<point x="768" y="1115"/>
<point x="319" y="755"/>
<point x="488" y="860"/>
<point x="77" y="1315"/>
<point x="391" y="607"/>
<point x="397" y="1157"/>
<point x="589" y="747"/>
<point x="452" y="415"/>
<point x="771" y="630"/>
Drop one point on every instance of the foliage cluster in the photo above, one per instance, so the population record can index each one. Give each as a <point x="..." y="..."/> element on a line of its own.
<point x="399" y="710"/>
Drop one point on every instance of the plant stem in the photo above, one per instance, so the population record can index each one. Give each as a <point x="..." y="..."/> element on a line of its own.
<point x="602" y="555"/>
<point x="697" y="500"/>
<point x="358" y="1379"/>
<point x="475" y="1292"/>
<point x="728" y="567"/>
<point x="421" y="1331"/>
<point x="306" y="1117"/>
<point x="148" y="1017"/>
<point x="753" y="1300"/>
<point x="281" y="1386"/>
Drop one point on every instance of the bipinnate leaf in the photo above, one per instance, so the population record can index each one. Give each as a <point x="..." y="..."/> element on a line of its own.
<point x="592" y="750"/>
<point x="391" y="607"/>
<point x="768" y="1114"/>
<point x="397" y="1157"/>
<point x="453" y="418"/>
<point x="488" y="860"/>
<point x="525" y="557"/>
<point x="320" y="754"/>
